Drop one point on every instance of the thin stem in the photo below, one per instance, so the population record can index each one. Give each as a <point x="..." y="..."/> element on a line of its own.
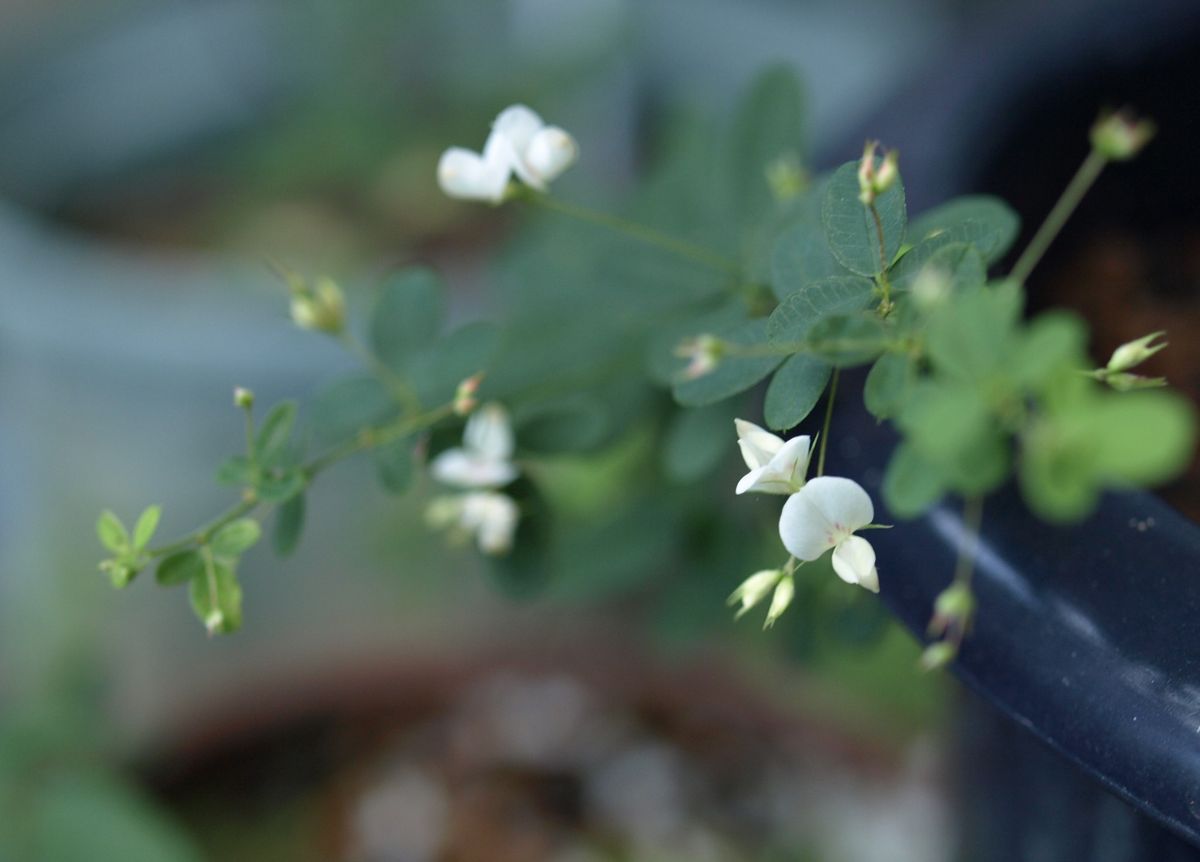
<point x="210" y="573"/>
<point x="250" y="453"/>
<point x="964" y="567"/>
<point x="640" y="232"/>
<point x="833" y="384"/>
<point x="201" y="536"/>
<point x="1067" y="202"/>
<point x="399" y="386"/>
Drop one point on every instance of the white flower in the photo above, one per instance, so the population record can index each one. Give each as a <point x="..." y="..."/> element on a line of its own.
<point x="776" y="466"/>
<point x="483" y="461"/>
<point x="489" y="516"/>
<point x="538" y="153"/>
<point x="519" y="143"/>
<point x="824" y="514"/>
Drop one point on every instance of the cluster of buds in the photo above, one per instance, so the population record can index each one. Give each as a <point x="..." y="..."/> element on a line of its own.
<point x="953" y="611"/>
<point x="778" y="583"/>
<point x="1119" y="135"/>
<point x="464" y="396"/>
<point x="320" y="307"/>
<point x="1130" y="355"/>
<point x="703" y="354"/>
<point x="876" y="177"/>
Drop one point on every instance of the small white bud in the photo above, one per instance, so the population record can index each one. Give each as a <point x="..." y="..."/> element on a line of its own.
<point x="703" y="354"/>
<point x="1134" y="353"/>
<point x="754" y="589"/>
<point x="243" y="398"/>
<point x="785" y="591"/>
<point x="1119" y="135"/>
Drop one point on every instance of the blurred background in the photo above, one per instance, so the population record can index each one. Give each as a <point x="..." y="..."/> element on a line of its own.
<point x="384" y="701"/>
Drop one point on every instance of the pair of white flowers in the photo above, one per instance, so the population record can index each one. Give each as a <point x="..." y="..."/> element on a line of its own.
<point x="520" y="143"/>
<point x="820" y="514"/>
<point x="480" y="466"/>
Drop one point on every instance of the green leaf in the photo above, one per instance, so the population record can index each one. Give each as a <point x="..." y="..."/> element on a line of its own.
<point x="985" y="222"/>
<point x="956" y="262"/>
<point x="437" y="369"/>
<point x="573" y="423"/>
<point x="769" y="127"/>
<point x="236" y="470"/>
<point x="393" y="465"/>
<point x="81" y="814"/>
<point x="276" y="431"/>
<point x="339" y="411"/>
<point x="971" y="335"/>
<point x="948" y="424"/>
<point x="1051" y="343"/>
<point x="847" y="339"/>
<point x="888" y="384"/>
<point x="281" y="488"/>
<point x="235" y="538"/>
<point x="147" y="523"/>
<point x="289" y="525"/>
<point x="217" y="598"/>
<point x="407" y="317"/>
<point x="801" y="256"/>
<point x="696" y="441"/>
<point x="662" y="364"/>
<point x="179" y="568"/>
<point x="850" y="230"/>
<point x="813" y="302"/>
<point x="733" y="374"/>
<point x="1142" y="438"/>
<point x="794" y="391"/>
<point x="111" y="532"/>
<point x="912" y="483"/>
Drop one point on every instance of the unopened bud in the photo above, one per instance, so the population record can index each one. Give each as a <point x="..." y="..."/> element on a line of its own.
<point x="931" y="287"/>
<point x="754" y="589"/>
<point x="786" y="178"/>
<point x="952" y="610"/>
<point x="938" y="655"/>
<point x="1126" y="382"/>
<point x="1119" y="135"/>
<point x="214" y="621"/>
<point x="464" y="396"/>
<point x="1135" y="352"/>
<point x="785" y="591"/>
<point x="322" y="308"/>
<point x="243" y="398"/>
<point x="703" y="354"/>
<point x="875" y="179"/>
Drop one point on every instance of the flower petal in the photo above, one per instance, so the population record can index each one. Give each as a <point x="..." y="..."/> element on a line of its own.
<point x="493" y="518"/>
<point x="842" y="502"/>
<point x="803" y="527"/>
<point x="854" y="562"/>
<point x="550" y="152"/>
<point x="757" y="445"/>
<point x="516" y="126"/>
<point x="467" y="175"/>
<point x="790" y="463"/>
<point x="750" y="481"/>
<point x="489" y="433"/>
<point x="466" y="469"/>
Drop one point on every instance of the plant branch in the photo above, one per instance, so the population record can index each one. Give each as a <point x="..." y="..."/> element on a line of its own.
<point x="1066" y="204"/>
<point x="833" y="384"/>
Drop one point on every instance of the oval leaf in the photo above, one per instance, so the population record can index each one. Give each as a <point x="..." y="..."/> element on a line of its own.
<point x="850" y="230"/>
<point x="733" y="374"/>
<point x="289" y="525"/>
<point x="179" y="568"/>
<point x="813" y="302"/>
<point x="276" y="430"/>
<point x="794" y="391"/>
<point x="985" y="222"/>
<point x="407" y="316"/>
<point x="235" y="538"/>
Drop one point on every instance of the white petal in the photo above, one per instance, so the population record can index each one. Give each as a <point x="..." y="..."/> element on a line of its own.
<point x="803" y="528"/>
<point x="854" y="562"/>
<point x="750" y="482"/>
<point x="790" y="463"/>
<point x="467" y="175"/>
<point x="518" y="124"/>
<point x="842" y="502"/>
<point x="550" y="152"/>
<point x="489" y="433"/>
<point x="493" y="518"/>
<point x="785" y="591"/>
<point x="465" y="469"/>
<point x="756" y="444"/>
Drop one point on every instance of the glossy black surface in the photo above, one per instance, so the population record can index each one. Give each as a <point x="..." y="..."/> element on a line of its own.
<point x="1087" y="635"/>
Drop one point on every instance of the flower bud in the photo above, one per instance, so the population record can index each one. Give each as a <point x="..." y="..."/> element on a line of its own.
<point x="873" y="179"/>
<point x="1119" y="135"/>
<point x="215" y="621"/>
<point x="464" y="395"/>
<point x="243" y="398"/>
<point x="786" y="178"/>
<point x="1126" y="382"/>
<point x="938" y="655"/>
<point x="1135" y="352"/>
<point x="785" y="591"/>
<point x="322" y="309"/>
<point x="551" y="151"/>
<point x="952" y="610"/>
<point x="703" y="354"/>
<point x="931" y="287"/>
<point x="754" y="589"/>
